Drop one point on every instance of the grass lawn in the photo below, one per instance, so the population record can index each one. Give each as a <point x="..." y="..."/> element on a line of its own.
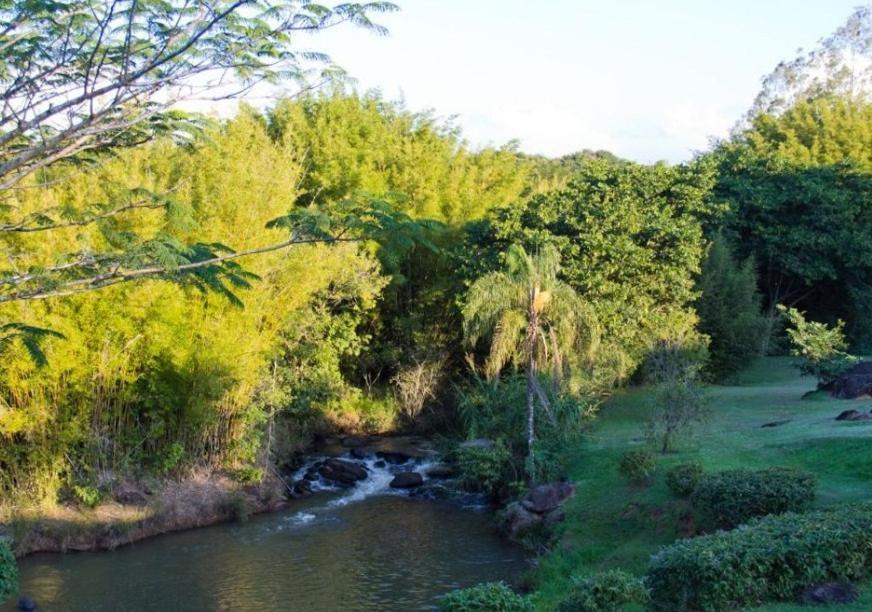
<point x="613" y="524"/>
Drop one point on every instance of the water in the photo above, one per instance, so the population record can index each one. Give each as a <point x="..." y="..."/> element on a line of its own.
<point x="365" y="548"/>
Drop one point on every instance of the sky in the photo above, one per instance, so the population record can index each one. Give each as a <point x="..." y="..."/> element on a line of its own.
<point x="647" y="80"/>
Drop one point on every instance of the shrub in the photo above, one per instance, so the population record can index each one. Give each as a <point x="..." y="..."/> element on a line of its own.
<point x="235" y="507"/>
<point x="247" y="475"/>
<point x="416" y="385"/>
<point x="822" y="348"/>
<point x="8" y="572"/>
<point x="484" y="469"/>
<point x="487" y="597"/>
<point x="637" y="465"/>
<point x="87" y="495"/>
<point x="683" y="479"/>
<point x="726" y="499"/>
<point x="609" y="591"/>
<point x="772" y="558"/>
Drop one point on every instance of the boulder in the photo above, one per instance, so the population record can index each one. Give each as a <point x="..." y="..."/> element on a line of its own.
<point x="440" y="471"/>
<point x="855" y="382"/>
<point x="380" y="464"/>
<point x="516" y="519"/>
<point x="360" y="453"/>
<point x="406" y="480"/>
<point x="558" y="515"/>
<point x="854" y="415"/>
<point x="547" y="497"/>
<point x="342" y="472"/>
<point x="301" y="488"/>
<point x="829" y="593"/>
<point x="26" y="603"/>
<point x="393" y="457"/>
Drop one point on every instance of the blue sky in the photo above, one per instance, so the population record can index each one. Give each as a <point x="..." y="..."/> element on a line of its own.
<point x="647" y="80"/>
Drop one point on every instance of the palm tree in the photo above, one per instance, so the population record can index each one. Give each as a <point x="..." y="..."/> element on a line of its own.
<point x="534" y="321"/>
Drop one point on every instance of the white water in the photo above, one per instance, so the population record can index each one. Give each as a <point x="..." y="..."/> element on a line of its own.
<point x="377" y="482"/>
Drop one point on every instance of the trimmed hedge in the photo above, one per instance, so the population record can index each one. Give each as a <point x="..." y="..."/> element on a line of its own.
<point x="770" y="559"/>
<point x="683" y="479"/>
<point x="8" y="572"/>
<point x="730" y="498"/>
<point x="608" y="591"/>
<point x="486" y="597"/>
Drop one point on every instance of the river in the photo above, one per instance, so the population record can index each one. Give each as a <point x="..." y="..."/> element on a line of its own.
<point x="360" y="549"/>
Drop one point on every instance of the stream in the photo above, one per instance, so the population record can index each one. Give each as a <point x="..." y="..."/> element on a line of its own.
<point x="360" y="548"/>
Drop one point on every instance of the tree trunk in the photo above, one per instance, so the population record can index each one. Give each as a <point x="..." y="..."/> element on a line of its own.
<point x="531" y="375"/>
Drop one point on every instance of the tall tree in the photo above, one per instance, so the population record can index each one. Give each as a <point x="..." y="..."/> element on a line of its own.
<point x="841" y="65"/>
<point x="534" y="321"/>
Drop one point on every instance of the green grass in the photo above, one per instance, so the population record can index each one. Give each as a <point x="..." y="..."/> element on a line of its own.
<point x="613" y="524"/>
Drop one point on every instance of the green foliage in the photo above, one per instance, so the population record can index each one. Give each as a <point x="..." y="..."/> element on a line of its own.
<point x="247" y="475"/>
<point x="821" y="347"/>
<point x="770" y="559"/>
<point x="235" y="507"/>
<point x="8" y="572"/>
<point x="485" y="469"/>
<point x="486" y="597"/>
<point x="684" y="478"/>
<point x="610" y="591"/>
<point x="637" y="465"/>
<point x="673" y="367"/>
<point x="630" y="242"/>
<point x="30" y="337"/>
<point x="799" y="189"/>
<point x="729" y="309"/>
<point x="88" y="495"/>
<point x="732" y="497"/>
<point x="534" y="322"/>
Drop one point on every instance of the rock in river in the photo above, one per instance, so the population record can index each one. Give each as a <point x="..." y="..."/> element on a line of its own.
<point x="407" y="480"/>
<point x="342" y="472"/>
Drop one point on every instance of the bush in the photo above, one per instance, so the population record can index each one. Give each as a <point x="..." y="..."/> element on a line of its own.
<point x="484" y="469"/>
<point x="772" y="558"/>
<point x="247" y="475"/>
<point x="637" y="465"/>
<point x="87" y="495"/>
<point x="235" y="507"/>
<point x="822" y="348"/>
<point x="683" y="479"/>
<point x="487" y="597"/>
<point x="8" y="572"/>
<point x="609" y="591"/>
<point x="729" y="498"/>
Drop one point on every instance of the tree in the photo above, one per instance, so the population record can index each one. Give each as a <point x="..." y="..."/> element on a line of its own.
<point x="80" y="79"/>
<point x="630" y="240"/>
<point x="799" y="189"/>
<point x="840" y="65"/>
<point x="673" y="365"/>
<point x="729" y="308"/>
<point x="534" y="320"/>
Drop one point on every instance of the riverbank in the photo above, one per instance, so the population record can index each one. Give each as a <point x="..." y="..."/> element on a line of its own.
<point x="139" y="511"/>
<point x="142" y="509"/>
<point x="760" y="421"/>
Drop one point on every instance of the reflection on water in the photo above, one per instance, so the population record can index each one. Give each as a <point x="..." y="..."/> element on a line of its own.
<point x="385" y="552"/>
